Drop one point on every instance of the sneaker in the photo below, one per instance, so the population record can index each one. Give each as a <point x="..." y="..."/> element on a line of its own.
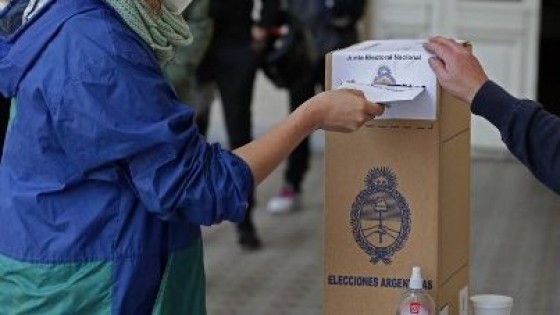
<point x="286" y="201"/>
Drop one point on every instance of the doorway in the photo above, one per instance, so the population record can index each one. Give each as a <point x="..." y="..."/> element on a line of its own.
<point x="549" y="61"/>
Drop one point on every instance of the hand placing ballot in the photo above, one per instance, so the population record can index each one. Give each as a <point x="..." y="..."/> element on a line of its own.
<point x="385" y="94"/>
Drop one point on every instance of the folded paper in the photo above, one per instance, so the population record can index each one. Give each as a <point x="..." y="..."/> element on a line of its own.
<point x="399" y="64"/>
<point x="385" y="94"/>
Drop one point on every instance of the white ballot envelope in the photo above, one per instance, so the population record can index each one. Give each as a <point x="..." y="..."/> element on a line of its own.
<point x="385" y="94"/>
<point x="396" y="73"/>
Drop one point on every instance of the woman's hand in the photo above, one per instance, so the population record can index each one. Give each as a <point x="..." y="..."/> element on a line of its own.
<point x="342" y="110"/>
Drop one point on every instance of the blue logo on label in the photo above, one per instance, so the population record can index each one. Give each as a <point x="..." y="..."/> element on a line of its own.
<point x="384" y="76"/>
<point x="380" y="216"/>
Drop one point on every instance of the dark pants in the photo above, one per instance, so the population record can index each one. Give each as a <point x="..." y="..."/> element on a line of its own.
<point x="4" y="118"/>
<point x="298" y="161"/>
<point x="232" y="67"/>
<point x="300" y="91"/>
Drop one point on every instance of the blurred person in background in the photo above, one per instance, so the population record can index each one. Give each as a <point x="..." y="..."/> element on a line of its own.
<point x="181" y="71"/>
<point x="4" y="102"/>
<point x="229" y="66"/>
<point x="310" y="30"/>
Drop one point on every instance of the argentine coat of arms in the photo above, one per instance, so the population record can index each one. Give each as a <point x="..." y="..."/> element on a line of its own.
<point x="380" y="216"/>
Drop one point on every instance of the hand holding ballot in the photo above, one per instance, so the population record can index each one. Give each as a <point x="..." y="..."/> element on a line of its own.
<point x="344" y="110"/>
<point x="383" y="94"/>
<point x="457" y="69"/>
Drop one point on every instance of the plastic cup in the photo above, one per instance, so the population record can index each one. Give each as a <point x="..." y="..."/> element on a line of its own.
<point x="490" y="304"/>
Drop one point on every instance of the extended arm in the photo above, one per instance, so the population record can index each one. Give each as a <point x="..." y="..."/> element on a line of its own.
<point x="342" y="111"/>
<point x="121" y="111"/>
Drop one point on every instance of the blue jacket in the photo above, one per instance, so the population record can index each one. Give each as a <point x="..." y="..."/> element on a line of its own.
<point x="105" y="180"/>
<point x="530" y="133"/>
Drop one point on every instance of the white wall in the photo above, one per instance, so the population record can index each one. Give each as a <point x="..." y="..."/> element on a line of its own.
<point x="504" y="34"/>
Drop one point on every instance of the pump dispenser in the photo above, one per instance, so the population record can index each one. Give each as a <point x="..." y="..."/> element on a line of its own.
<point x="416" y="301"/>
<point x="416" y="281"/>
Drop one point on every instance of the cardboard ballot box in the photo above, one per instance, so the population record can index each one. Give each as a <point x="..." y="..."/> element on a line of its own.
<point x="397" y="191"/>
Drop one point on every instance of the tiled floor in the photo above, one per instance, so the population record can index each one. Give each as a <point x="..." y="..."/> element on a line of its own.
<point x="285" y="276"/>
<point x="515" y="248"/>
<point x="515" y="237"/>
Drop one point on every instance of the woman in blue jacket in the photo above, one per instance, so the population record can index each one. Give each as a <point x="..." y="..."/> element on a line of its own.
<point x="105" y="180"/>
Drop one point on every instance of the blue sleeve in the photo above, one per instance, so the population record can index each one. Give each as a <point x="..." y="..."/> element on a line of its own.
<point x="120" y="112"/>
<point x="531" y="133"/>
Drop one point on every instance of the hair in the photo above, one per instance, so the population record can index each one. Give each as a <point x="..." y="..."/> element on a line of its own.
<point x="155" y="5"/>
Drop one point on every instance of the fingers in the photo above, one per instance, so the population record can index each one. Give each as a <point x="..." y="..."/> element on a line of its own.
<point x="443" y="48"/>
<point x="373" y="109"/>
<point x="358" y="93"/>
<point x="440" y="50"/>
<point x="449" y="43"/>
<point x="438" y="66"/>
<point x="370" y="109"/>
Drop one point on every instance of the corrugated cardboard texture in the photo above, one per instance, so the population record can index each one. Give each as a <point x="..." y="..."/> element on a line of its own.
<point x="413" y="156"/>
<point x="449" y="292"/>
<point x="454" y="204"/>
<point x="430" y="160"/>
<point x="453" y="116"/>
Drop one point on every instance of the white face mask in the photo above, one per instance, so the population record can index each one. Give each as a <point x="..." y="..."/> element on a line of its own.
<point x="176" y="6"/>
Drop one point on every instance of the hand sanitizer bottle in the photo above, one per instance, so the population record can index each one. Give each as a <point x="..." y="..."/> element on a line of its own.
<point x="416" y="301"/>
